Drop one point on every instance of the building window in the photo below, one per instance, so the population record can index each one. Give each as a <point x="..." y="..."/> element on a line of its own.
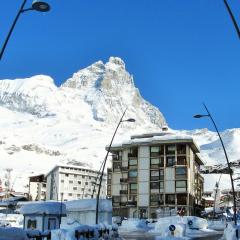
<point x="52" y="223"/>
<point x="31" y="224"/>
<point x="181" y="149"/>
<point x="181" y="186"/>
<point x="66" y="174"/>
<point x="181" y="173"/>
<point x="132" y="174"/>
<point x="161" y="186"/>
<point x="157" y="162"/>
<point x="75" y="188"/>
<point x="70" y="194"/>
<point x="115" y="201"/>
<point x="133" y="188"/>
<point x="170" y="199"/>
<point x="75" y="176"/>
<point x="161" y="174"/>
<point x="86" y="183"/>
<point x="70" y="181"/>
<point x="154" y="187"/>
<point x="155" y="151"/>
<point x="62" y="181"/>
<point x="156" y="199"/>
<point x="181" y="160"/>
<point x="154" y="175"/>
<point x="182" y="199"/>
<point x="79" y="182"/>
<point x="170" y="161"/>
<point x="170" y="149"/>
<point x="117" y="166"/>
<point x="133" y="152"/>
<point x="132" y="163"/>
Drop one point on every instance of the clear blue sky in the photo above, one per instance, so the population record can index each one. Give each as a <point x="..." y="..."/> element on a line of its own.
<point x="181" y="52"/>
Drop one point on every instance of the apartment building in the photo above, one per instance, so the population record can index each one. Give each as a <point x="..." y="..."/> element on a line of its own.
<point x="70" y="182"/>
<point x="154" y="173"/>
<point x="37" y="188"/>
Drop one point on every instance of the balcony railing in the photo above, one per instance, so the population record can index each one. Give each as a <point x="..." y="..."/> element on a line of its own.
<point x="132" y="203"/>
<point x="124" y="169"/>
<point x="123" y="192"/>
<point x="123" y="180"/>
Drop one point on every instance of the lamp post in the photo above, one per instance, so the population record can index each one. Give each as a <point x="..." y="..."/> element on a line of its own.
<point x="232" y="18"/>
<point x="226" y="156"/>
<point x="105" y="160"/>
<point x="37" y="6"/>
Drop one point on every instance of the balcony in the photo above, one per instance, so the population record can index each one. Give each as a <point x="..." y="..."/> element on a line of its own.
<point x="123" y="180"/>
<point x="131" y="203"/>
<point x="124" y="169"/>
<point x="132" y="156"/>
<point x="123" y="192"/>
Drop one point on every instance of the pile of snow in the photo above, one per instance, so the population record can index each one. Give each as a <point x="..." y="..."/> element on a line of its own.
<point x="11" y="220"/>
<point x="100" y="231"/>
<point x="12" y="234"/>
<point x="56" y="208"/>
<point x="230" y="232"/>
<point x="134" y="224"/>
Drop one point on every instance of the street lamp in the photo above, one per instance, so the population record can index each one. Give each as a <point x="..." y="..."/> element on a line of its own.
<point x="105" y="160"/>
<point x="226" y="156"/>
<point x="37" y="6"/>
<point x="232" y="18"/>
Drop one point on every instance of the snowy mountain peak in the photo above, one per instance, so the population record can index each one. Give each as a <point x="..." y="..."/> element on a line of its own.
<point x="109" y="89"/>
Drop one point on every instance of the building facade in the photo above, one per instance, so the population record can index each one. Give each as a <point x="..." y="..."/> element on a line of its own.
<point x="37" y="188"/>
<point x="153" y="174"/>
<point x="70" y="182"/>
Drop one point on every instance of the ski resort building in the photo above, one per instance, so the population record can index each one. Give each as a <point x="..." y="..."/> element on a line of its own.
<point x="155" y="175"/>
<point x="70" y="182"/>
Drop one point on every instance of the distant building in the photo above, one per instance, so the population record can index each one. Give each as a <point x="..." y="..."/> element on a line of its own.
<point x="37" y="188"/>
<point x="70" y="182"/>
<point x="155" y="173"/>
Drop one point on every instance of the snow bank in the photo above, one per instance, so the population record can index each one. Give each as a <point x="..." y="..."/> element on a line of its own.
<point x="133" y="224"/>
<point x="95" y="232"/>
<point x="44" y="208"/>
<point x="230" y="232"/>
<point x="12" y="234"/>
<point x="88" y="205"/>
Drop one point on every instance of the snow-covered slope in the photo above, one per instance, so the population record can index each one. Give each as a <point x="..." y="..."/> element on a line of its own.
<point x="42" y="124"/>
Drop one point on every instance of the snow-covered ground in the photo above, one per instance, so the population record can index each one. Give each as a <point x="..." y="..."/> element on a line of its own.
<point x="42" y="124"/>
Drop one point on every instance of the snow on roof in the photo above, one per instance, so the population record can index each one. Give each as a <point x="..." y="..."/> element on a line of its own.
<point x="158" y="137"/>
<point x="56" y="208"/>
<point x="70" y="166"/>
<point x="89" y="204"/>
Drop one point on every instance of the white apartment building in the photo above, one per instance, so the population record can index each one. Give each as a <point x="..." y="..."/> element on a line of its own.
<point x="70" y="182"/>
<point x="155" y="173"/>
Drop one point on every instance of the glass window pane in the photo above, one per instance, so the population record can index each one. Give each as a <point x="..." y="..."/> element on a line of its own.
<point x="132" y="173"/>
<point x="155" y="161"/>
<point x="181" y="184"/>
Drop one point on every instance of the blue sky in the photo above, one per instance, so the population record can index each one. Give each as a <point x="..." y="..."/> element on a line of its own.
<point x="181" y="53"/>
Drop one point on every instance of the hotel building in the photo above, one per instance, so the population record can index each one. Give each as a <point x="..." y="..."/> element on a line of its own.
<point x="70" y="182"/>
<point x="155" y="173"/>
